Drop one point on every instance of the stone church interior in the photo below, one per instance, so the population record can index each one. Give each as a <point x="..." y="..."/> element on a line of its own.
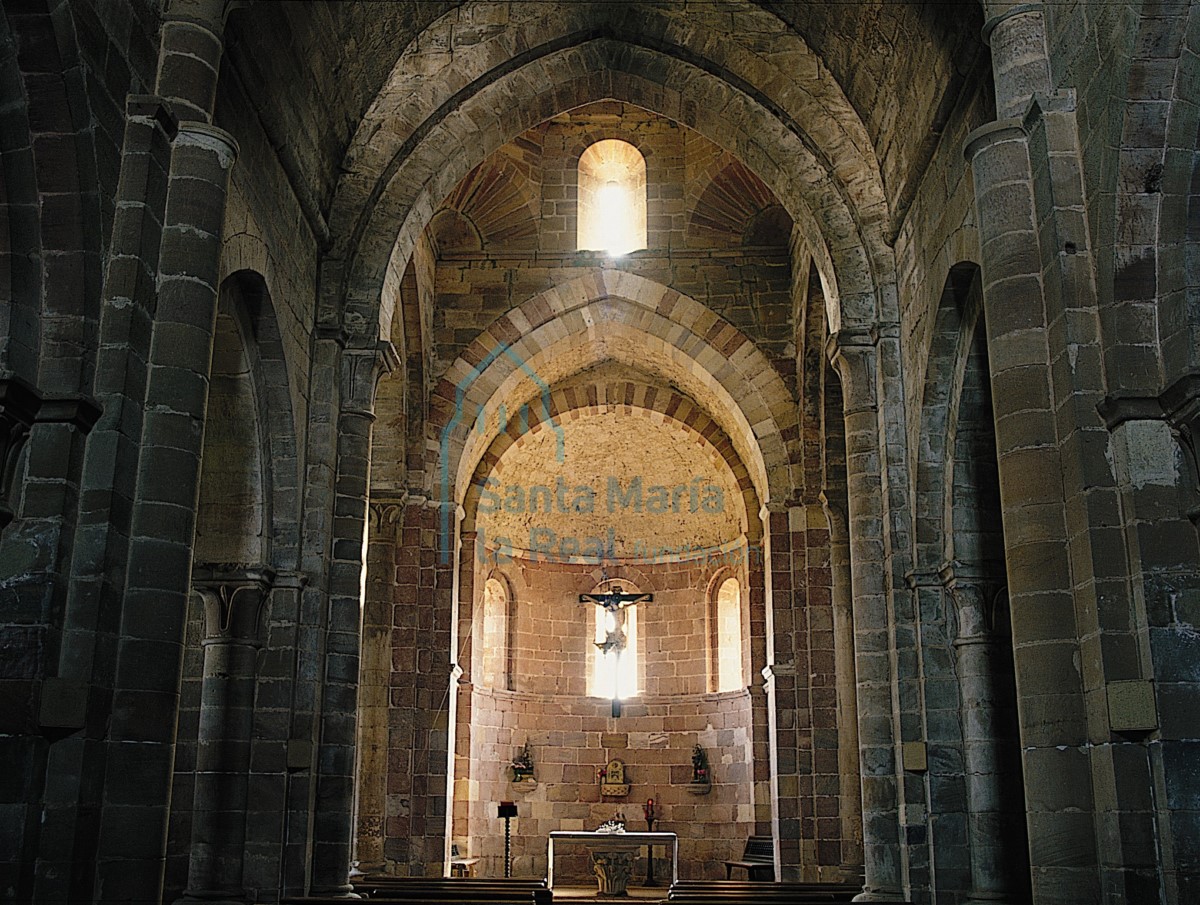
<point x="772" y="427"/>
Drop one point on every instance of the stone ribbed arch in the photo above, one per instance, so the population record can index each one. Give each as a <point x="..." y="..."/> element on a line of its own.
<point x="791" y="125"/>
<point x="634" y="396"/>
<point x="612" y="315"/>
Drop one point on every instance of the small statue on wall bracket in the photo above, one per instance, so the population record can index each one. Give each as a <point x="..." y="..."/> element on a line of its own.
<point x="521" y="768"/>
<point x="701" y="783"/>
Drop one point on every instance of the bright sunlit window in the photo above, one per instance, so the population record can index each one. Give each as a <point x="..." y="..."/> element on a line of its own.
<point x="495" y="635"/>
<point x="614" y="675"/>
<point x="729" y="636"/>
<point x="612" y="198"/>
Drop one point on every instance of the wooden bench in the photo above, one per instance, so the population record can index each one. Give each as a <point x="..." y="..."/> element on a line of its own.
<point x="688" y="888"/>
<point x="436" y="897"/>
<point x="450" y="889"/>
<point x="758" y="859"/>
<point x="432" y="898"/>
<point x="741" y="892"/>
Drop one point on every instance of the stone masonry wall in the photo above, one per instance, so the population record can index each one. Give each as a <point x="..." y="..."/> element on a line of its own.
<point x="747" y="285"/>
<point x="571" y="738"/>
<point x="572" y="735"/>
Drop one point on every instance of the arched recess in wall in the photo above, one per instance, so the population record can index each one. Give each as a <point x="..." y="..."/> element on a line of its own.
<point x="958" y="312"/>
<point x="247" y="517"/>
<point x="249" y="487"/>
<point x="961" y="563"/>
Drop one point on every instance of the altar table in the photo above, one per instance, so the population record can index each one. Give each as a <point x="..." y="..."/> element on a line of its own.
<point x="602" y="841"/>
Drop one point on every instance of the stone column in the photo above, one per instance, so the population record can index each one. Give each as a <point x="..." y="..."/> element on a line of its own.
<point x="783" y="698"/>
<point x="333" y="820"/>
<point x="141" y="732"/>
<point x="850" y="794"/>
<point x="233" y="605"/>
<point x="762" y="750"/>
<point x="1030" y="413"/>
<point x="189" y="57"/>
<point x="854" y="357"/>
<point x="374" y="672"/>
<point x="85" y="661"/>
<point x="1016" y="32"/>
<point x="990" y="749"/>
<point x="420" y="707"/>
<point x="466" y="658"/>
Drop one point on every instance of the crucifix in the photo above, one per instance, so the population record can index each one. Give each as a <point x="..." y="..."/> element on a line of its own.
<point x="613" y="602"/>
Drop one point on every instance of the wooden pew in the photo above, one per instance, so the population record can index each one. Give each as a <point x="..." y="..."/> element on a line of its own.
<point x="739" y="892"/>
<point x="430" y="898"/>
<point x="435" y="890"/>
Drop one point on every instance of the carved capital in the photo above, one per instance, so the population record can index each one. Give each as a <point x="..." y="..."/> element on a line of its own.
<point x="233" y="595"/>
<point x="1181" y="403"/>
<point x="835" y="514"/>
<point x="19" y="404"/>
<point x="362" y="366"/>
<point x="980" y="603"/>
<point x="384" y="514"/>
<point x="1178" y="405"/>
<point x="852" y="352"/>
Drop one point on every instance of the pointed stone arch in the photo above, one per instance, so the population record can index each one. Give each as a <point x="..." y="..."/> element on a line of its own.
<point x="797" y="133"/>
<point x="631" y="395"/>
<point x="612" y="315"/>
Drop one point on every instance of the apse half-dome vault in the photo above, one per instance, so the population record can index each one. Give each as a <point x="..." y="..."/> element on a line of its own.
<point x="628" y="485"/>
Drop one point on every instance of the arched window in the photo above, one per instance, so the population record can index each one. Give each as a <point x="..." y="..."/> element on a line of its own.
<point x="494" y="672"/>
<point x="614" y="673"/>
<point x="727" y="624"/>
<point x="612" y="198"/>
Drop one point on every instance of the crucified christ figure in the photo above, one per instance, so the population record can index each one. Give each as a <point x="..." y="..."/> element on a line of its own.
<point x="613" y="602"/>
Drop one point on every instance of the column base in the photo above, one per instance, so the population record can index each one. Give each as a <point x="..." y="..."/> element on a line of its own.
<point x="213" y="897"/>
<point x="881" y="895"/>
<point x="335" y="892"/>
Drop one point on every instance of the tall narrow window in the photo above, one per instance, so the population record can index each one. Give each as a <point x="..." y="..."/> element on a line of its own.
<point x="615" y="673"/>
<point x="612" y="198"/>
<point x="729" y="636"/>
<point x="495" y="635"/>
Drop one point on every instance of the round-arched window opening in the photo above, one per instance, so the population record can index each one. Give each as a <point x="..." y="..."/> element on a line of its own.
<point x="612" y="198"/>
<point x="729" y="636"/>
<point x="494" y="673"/>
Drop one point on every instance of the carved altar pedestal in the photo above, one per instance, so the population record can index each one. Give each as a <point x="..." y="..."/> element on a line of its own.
<point x="613" y="855"/>
<point x="613" y="866"/>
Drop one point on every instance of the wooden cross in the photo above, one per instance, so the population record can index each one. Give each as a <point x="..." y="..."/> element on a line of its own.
<point x="614" y="601"/>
